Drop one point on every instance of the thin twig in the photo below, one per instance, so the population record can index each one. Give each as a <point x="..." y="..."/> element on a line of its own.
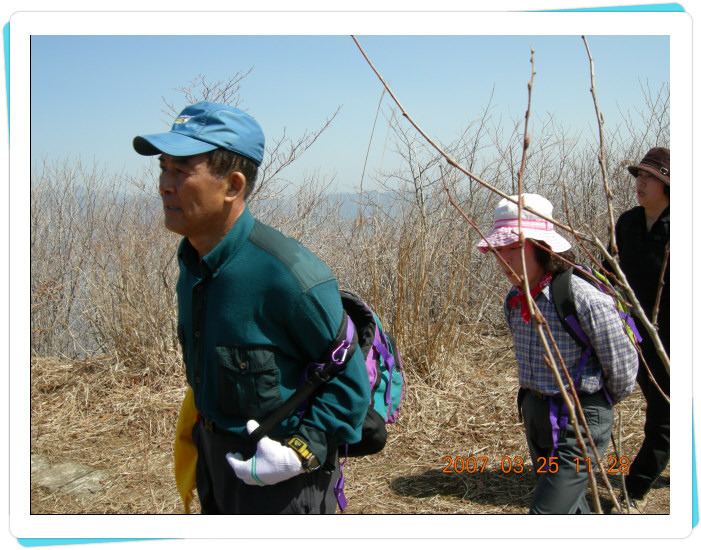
<point x="474" y="226"/>
<point x="650" y="327"/>
<point x="656" y="308"/>
<point x="372" y="133"/>
<point x="540" y="320"/>
<point x="451" y="161"/>
<point x="550" y="361"/>
<point x="521" y="238"/>
<point x="580" y="236"/>
<point x="637" y="308"/>
<point x="615" y="297"/>
<point x="602" y="159"/>
<point x="585" y="426"/>
<point x="618" y="450"/>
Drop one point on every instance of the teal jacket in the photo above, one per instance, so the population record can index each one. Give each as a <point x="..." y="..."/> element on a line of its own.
<point x="251" y="315"/>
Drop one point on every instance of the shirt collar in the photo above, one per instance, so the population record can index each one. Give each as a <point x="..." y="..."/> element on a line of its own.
<point x="546" y="292"/>
<point x="222" y="253"/>
<point x="663" y="217"/>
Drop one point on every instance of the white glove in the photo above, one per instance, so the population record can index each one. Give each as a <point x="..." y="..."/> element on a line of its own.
<point x="272" y="463"/>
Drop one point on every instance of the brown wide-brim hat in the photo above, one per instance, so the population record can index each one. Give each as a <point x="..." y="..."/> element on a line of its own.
<point x="655" y="162"/>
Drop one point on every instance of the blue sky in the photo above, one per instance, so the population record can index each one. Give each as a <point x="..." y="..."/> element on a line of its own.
<point x="90" y="95"/>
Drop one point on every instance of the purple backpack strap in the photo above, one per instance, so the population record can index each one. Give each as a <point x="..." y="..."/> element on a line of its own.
<point x="337" y="360"/>
<point x="577" y="328"/>
<point x="381" y="345"/>
<point x="573" y="323"/>
<point x="559" y="415"/>
<point x="340" y="482"/>
<point x="558" y="421"/>
<point x="630" y="323"/>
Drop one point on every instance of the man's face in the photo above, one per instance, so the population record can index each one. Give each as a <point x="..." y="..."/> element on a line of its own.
<point x="194" y="202"/>
<point x="650" y="191"/>
<point x="511" y="258"/>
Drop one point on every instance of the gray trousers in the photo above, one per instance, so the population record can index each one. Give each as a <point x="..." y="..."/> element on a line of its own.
<point x="563" y="491"/>
<point x="653" y="456"/>
<point x="221" y="492"/>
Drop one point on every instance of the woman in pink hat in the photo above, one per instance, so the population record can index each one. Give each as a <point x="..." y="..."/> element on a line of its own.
<point x="642" y="237"/>
<point x="601" y="379"/>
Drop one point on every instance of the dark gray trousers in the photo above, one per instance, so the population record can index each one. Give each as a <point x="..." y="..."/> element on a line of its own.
<point x="653" y="456"/>
<point x="221" y="492"/>
<point x="563" y="491"/>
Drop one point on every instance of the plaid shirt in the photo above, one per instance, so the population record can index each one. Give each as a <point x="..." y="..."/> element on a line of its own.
<point x="614" y="361"/>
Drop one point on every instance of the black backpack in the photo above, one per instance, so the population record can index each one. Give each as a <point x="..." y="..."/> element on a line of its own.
<point x="561" y="287"/>
<point x="360" y="327"/>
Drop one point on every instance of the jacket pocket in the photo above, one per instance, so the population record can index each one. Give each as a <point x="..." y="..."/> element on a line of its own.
<point x="248" y="381"/>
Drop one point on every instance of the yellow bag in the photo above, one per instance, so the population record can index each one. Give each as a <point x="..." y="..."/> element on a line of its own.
<point x="185" y="451"/>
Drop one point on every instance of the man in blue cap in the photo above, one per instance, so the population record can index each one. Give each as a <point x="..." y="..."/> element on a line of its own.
<point x="254" y="308"/>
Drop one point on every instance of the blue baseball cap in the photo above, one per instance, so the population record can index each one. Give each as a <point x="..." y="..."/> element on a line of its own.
<point x="206" y="126"/>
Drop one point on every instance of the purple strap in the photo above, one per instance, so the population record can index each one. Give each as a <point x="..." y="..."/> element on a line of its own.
<point x="625" y="316"/>
<point x="371" y="367"/>
<point x="558" y="421"/>
<point x="577" y="328"/>
<point x="631" y="324"/>
<point x="553" y="423"/>
<point x="337" y="356"/>
<point x="381" y="345"/>
<point x="338" y="487"/>
<point x="559" y="416"/>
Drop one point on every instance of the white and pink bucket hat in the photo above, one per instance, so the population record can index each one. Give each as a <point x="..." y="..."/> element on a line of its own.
<point x="533" y="227"/>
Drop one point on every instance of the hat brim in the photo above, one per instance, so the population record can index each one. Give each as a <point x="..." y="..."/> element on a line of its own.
<point x="650" y="170"/>
<point x="504" y="236"/>
<point x="171" y="143"/>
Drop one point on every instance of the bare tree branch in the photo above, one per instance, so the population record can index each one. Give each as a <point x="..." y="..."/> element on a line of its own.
<point x="451" y="161"/>
<point x="602" y="156"/>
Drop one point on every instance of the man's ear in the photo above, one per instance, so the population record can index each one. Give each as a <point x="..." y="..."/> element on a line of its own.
<point x="236" y="185"/>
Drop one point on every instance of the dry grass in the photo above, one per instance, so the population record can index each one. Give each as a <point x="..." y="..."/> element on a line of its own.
<point x="121" y="420"/>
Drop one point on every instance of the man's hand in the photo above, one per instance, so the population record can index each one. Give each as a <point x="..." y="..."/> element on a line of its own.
<point x="272" y="463"/>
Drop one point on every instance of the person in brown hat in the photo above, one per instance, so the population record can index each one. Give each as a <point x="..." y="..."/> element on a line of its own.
<point x="642" y="236"/>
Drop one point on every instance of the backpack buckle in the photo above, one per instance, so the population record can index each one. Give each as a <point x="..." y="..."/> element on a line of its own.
<point x="345" y="346"/>
<point x="346" y="343"/>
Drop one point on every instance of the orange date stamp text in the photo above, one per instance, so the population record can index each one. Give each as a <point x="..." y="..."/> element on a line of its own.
<point x="517" y="465"/>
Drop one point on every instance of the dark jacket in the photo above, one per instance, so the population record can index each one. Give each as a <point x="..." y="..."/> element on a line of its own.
<point x="251" y="315"/>
<point x="641" y="257"/>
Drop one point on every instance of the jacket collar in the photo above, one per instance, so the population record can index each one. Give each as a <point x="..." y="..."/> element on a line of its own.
<point x="222" y="253"/>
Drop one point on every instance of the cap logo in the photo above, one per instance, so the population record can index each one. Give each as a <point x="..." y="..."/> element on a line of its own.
<point x="182" y="119"/>
<point x="664" y="171"/>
